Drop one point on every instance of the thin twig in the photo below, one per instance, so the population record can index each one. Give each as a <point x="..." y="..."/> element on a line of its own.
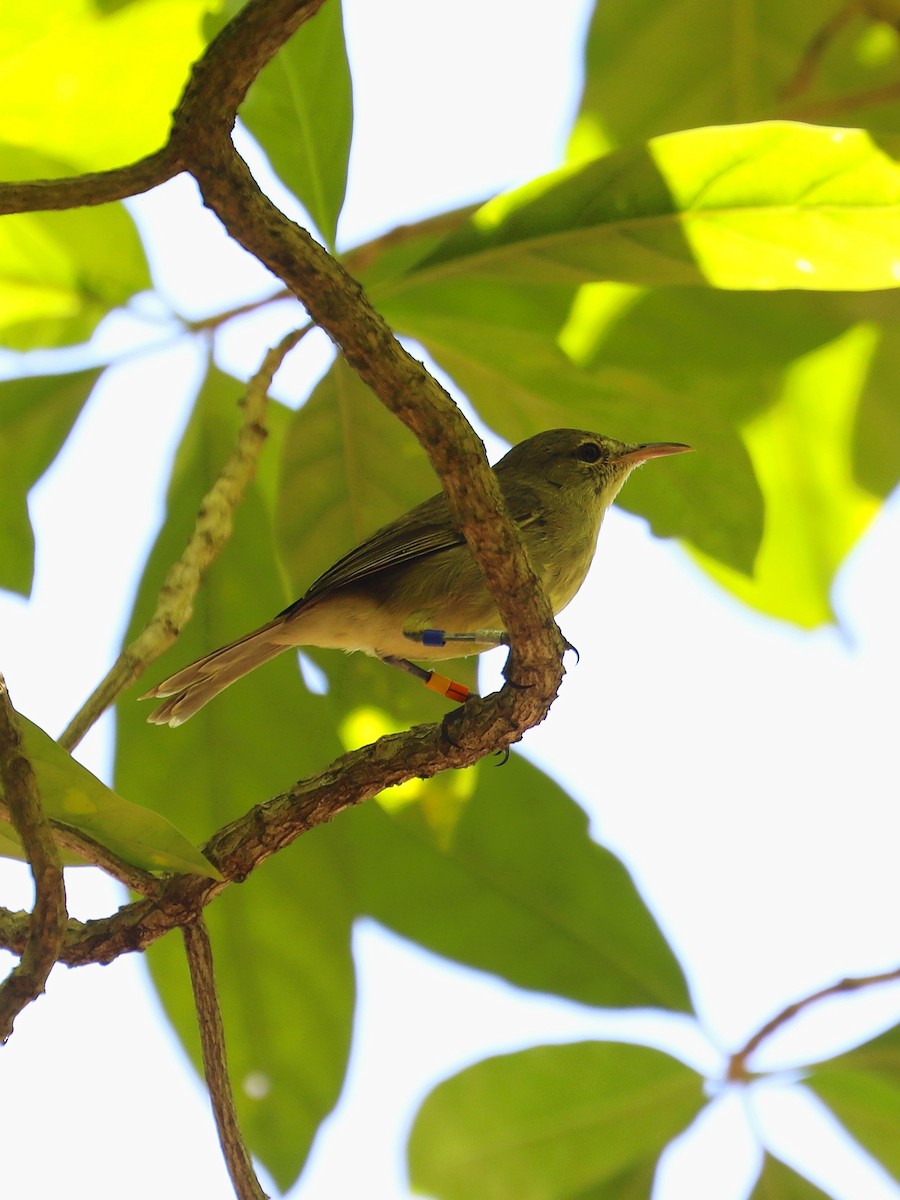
<point x="815" y="49"/>
<point x="47" y="925"/>
<point x="832" y="106"/>
<point x="737" y="1064"/>
<point x="217" y="320"/>
<point x="212" y="530"/>
<point x="215" y="1063"/>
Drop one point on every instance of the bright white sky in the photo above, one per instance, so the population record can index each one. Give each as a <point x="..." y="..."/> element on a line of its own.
<point x="743" y="771"/>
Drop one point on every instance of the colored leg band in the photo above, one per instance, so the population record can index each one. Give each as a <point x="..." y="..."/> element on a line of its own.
<point x="440" y="637"/>
<point x="446" y="687"/>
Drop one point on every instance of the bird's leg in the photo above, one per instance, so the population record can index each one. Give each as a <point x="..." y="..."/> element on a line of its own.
<point x="437" y="683"/>
<point x="439" y="637"/>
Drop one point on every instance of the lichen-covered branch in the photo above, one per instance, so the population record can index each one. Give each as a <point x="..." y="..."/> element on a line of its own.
<point x="211" y="533"/>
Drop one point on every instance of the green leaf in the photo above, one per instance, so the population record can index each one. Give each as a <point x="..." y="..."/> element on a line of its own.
<point x="876" y="446"/>
<point x="36" y="415"/>
<point x="862" y="1088"/>
<point x="760" y="207"/>
<point x="550" y="1122"/>
<point x="62" y="272"/>
<point x="288" y="1019"/>
<point x="815" y="510"/>
<point x="730" y="62"/>
<point x="634" y="1183"/>
<point x="494" y="867"/>
<point x="397" y="251"/>
<point x="778" y="1182"/>
<point x="348" y="467"/>
<point x="770" y="390"/>
<point x="71" y="89"/>
<point x="620" y="361"/>
<point x="300" y="110"/>
<point x="73" y="796"/>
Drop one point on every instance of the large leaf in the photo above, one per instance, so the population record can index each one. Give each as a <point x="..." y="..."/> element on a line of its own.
<point x="36" y="415"/>
<point x="763" y="207"/>
<point x="494" y="867"/>
<point x="71" y="89"/>
<point x="731" y="62"/>
<point x="348" y="467"/>
<point x="551" y="1122"/>
<point x="778" y="1182"/>
<point x="815" y="511"/>
<point x="73" y="796"/>
<point x="300" y="110"/>
<point x="610" y="358"/>
<point x="773" y="388"/>
<point x="282" y="940"/>
<point x="862" y="1087"/>
<point x="397" y="251"/>
<point x="62" y="272"/>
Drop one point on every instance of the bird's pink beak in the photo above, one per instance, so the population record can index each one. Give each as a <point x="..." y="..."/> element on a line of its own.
<point x="635" y="455"/>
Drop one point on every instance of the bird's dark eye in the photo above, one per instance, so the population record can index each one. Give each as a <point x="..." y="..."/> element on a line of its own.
<point x="588" y="452"/>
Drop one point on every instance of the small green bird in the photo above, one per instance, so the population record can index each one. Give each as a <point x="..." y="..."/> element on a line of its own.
<point x="413" y="587"/>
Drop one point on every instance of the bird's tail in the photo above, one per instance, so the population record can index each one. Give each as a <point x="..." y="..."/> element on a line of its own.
<point x="193" y="686"/>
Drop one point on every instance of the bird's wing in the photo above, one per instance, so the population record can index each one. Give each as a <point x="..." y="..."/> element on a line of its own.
<point x="423" y="531"/>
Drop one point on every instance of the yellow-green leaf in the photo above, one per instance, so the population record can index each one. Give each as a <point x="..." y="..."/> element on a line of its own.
<point x="815" y="510"/>
<point x="765" y="206"/>
<point x="71" y="86"/>
<point x="550" y="1122"/>
<point x="73" y="796"/>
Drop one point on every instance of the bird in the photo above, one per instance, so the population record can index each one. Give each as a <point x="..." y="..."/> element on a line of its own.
<point x="413" y="590"/>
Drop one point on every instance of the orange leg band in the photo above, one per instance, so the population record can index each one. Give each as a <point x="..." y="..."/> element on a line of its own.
<point x="446" y="687"/>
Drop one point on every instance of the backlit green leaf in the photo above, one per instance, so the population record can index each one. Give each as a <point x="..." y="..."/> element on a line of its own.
<point x="778" y="1182"/>
<point x="71" y="86"/>
<point x="73" y="796"/>
<point x="730" y="61"/>
<point x="862" y="1088"/>
<point x="62" y="272"/>
<point x="300" y="110"/>
<point x="815" y="511"/>
<point x="494" y="867"/>
<point x="36" y="415"/>
<point x="348" y="467"/>
<point x="563" y="1121"/>
<point x="761" y="207"/>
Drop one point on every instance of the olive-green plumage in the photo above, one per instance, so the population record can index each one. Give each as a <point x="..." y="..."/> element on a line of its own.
<point x="417" y="572"/>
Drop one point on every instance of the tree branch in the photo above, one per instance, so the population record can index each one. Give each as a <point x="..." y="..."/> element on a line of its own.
<point x="465" y="735"/>
<point x="47" y="924"/>
<point x="215" y="1063"/>
<point x="737" y="1064"/>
